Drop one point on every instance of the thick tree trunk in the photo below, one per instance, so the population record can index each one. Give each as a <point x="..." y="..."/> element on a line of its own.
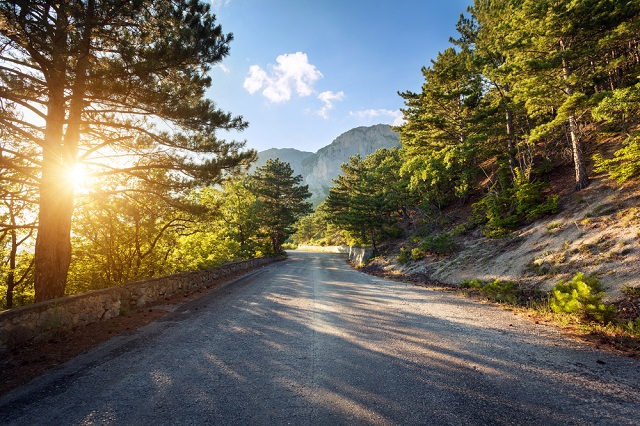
<point x="53" y="243"/>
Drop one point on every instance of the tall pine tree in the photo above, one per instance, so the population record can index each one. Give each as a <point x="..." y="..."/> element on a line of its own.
<point x="283" y="200"/>
<point x="440" y="133"/>
<point x="91" y="80"/>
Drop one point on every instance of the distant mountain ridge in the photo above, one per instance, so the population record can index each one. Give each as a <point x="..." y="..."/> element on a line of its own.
<point x="288" y="155"/>
<point x="320" y="168"/>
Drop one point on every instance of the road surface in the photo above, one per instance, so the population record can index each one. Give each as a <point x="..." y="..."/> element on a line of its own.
<point x="309" y="341"/>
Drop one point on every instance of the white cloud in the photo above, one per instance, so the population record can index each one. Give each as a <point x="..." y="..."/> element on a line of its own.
<point x="224" y="68"/>
<point x="395" y="116"/>
<point x="293" y="73"/>
<point x="328" y="98"/>
<point x="217" y="4"/>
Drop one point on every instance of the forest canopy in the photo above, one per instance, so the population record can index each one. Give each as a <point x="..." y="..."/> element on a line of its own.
<point x="528" y="87"/>
<point x="112" y="170"/>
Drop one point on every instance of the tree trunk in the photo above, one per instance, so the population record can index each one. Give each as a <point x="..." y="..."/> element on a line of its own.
<point x="53" y="243"/>
<point x="11" y="276"/>
<point x="511" y="145"/>
<point x="582" y="180"/>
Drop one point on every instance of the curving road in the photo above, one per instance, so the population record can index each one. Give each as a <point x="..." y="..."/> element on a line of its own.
<point x="309" y="341"/>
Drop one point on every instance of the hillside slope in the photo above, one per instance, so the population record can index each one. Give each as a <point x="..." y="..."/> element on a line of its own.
<point x="597" y="232"/>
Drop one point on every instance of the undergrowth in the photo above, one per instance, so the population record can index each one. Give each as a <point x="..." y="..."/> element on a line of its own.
<point x="576" y="304"/>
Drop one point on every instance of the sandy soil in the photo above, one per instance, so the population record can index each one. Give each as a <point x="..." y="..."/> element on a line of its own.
<point x="596" y="232"/>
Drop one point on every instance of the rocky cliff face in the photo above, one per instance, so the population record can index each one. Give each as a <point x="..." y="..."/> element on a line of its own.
<point x="287" y="155"/>
<point x="324" y="166"/>
<point x="320" y="168"/>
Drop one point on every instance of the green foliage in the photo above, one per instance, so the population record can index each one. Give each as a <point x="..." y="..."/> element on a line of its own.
<point x="203" y="250"/>
<point x="283" y="201"/>
<point x="501" y="291"/>
<point x="583" y="296"/>
<point x="404" y="256"/>
<point x="119" y="237"/>
<point x="621" y="108"/>
<point x="498" y="291"/>
<point x="442" y="243"/>
<point x="369" y="197"/>
<point x="316" y="229"/>
<point x="625" y="164"/>
<point x="121" y="86"/>
<point x="18" y="282"/>
<point x="474" y="283"/>
<point x="439" y="136"/>
<point x="503" y="211"/>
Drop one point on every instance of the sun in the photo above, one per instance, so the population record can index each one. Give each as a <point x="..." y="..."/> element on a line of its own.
<point x="78" y="177"/>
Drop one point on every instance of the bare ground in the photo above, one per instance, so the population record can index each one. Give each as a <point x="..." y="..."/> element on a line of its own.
<point x="596" y="232"/>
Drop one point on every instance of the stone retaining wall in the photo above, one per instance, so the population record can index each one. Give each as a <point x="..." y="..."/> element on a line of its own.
<point x="359" y="255"/>
<point x="37" y="322"/>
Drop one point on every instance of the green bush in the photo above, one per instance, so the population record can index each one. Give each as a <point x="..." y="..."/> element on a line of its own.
<point x="583" y="296"/>
<point x="404" y="256"/>
<point x="417" y="253"/>
<point x="504" y="211"/>
<point x="475" y="283"/>
<point x="501" y="291"/>
<point x="442" y="243"/>
<point x="496" y="290"/>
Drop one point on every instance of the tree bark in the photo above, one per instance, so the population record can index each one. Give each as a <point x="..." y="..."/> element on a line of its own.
<point x="582" y="180"/>
<point x="11" y="276"/>
<point x="53" y="243"/>
<point x="511" y="146"/>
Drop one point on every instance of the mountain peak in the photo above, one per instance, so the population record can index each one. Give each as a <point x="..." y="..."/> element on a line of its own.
<point x="320" y="168"/>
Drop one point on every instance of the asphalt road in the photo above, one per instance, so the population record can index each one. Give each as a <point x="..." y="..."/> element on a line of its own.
<point x="309" y="341"/>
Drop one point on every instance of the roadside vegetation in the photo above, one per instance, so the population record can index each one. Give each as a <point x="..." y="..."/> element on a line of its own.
<point x="533" y="102"/>
<point x="112" y="168"/>
<point x="577" y="305"/>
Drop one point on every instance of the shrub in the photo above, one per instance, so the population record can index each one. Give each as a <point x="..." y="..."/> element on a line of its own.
<point x="404" y="256"/>
<point x="442" y="243"/>
<point x="475" y="283"/>
<point x="583" y="296"/>
<point x="496" y="290"/>
<point x="417" y="253"/>
<point x="504" y="211"/>
<point x="501" y="291"/>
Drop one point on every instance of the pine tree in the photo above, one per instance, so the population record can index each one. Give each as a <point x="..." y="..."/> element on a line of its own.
<point x="283" y="200"/>
<point x="439" y="136"/>
<point x="556" y="47"/>
<point x="89" y="81"/>
<point x="369" y="196"/>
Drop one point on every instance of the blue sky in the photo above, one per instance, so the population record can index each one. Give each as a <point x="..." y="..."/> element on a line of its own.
<point x="302" y="72"/>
